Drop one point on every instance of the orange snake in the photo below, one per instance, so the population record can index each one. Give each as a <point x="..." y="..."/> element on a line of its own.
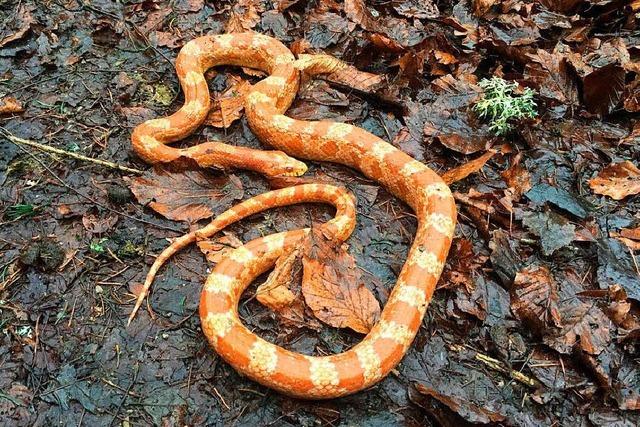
<point x="310" y="377"/>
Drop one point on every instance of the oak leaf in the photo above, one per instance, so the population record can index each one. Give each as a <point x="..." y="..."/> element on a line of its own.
<point x="534" y="298"/>
<point x="617" y="181"/>
<point x="332" y="285"/>
<point x="227" y="107"/>
<point x="187" y="195"/>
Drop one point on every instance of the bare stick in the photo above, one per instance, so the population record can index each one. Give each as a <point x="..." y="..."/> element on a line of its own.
<point x="50" y="149"/>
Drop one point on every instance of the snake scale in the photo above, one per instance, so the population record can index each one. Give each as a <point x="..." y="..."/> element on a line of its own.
<point x="310" y="377"/>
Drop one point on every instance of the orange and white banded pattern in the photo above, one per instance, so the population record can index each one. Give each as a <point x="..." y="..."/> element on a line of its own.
<point x="422" y="189"/>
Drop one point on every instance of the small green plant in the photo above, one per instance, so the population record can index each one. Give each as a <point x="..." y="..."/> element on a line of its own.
<point x="16" y="212"/>
<point x="501" y="105"/>
<point x="97" y="247"/>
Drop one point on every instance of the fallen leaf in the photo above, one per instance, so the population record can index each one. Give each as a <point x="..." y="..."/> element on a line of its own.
<point x="627" y="389"/>
<point x="463" y="171"/>
<point x="244" y="16"/>
<point x="421" y="9"/>
<point x="332" y="285"/>
<point x="629" y="236"/>
<point x="551" y="74"/>
<point x="10" y="105"/>
<point x="324" y="29"/>
<point x="603" y="89"/>
<point x="617" y="180"/>
<point x="97" y="225"/>
<point x="26" y="19"/>
<point x="275" y="292"/>
<point x="449" y="118"/>
<point x="554" y="230"/>
<point x="215" y="250"/>
<point x="339" y="72"/>
<point x="517" y="178"/>
<point x="227" y="107"/>
<point x="189" y="5"/>
<point x="467" y="410"/>
<point x="185" y="196"/>
<point x="356" y="11"/>
<point x="534" y="298"/>
<point x="585" y="326"/>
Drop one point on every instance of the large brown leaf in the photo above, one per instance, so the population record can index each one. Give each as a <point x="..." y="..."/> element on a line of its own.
<point x="227" y="106"/>
<point x="553" y="77"/>
<point x="332" y="285"/>
<point x="450" y="118"/>
<point x="463" y="171"/>
<point x="534" y="298"/>
<point x="617" y="181"/>
<point x="186" y="196"/>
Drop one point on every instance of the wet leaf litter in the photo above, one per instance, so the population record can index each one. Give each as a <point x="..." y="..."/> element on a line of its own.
<point x="542" y="281"/>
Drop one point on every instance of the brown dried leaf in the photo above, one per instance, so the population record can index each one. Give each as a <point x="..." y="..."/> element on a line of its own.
<point x="339" y="72"/>
<point x="463" y="171"/>
<point x="332" y="285"/>
<point x="215" y="250"/>
<point x="244" y="16"/>
<point x="517" y="178"/>
<point x="26" y="21"/>
<point x="97" y="225"/>
<point x="275" y="292"/>
<point x="617" y="180"/>
<point x="385" y="43"/>
<point x="185" y="196"/>
<point x="629" y="236"/>
<point x="551" y="74"/>
<point x="534" y="298"/>
<point x="228" y="106"/>
<point x="356" y="11"/>
<point x="467" y="410"/>
<point x="10" y="105"/>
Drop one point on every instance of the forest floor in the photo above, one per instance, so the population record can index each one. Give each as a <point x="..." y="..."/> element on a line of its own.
<point x="536" y="318"/>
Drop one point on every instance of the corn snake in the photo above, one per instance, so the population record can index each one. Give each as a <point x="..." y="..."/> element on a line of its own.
<point x="311" y="377"/>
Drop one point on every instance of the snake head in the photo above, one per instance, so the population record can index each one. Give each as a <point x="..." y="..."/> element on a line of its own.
<point x="279" y="164"/>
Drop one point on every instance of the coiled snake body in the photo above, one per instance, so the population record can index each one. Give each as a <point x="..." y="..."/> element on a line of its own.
<point x="310" y="377"/>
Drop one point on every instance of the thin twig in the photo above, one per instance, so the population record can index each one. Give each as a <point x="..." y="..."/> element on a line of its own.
<point x="50" y="149"/>
<point x="64" y="184"/>
<point x="497" y="365"/>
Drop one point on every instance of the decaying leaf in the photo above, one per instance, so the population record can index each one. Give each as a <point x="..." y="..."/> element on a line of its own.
<point x="554" y="230"/>
<point x="463" y="171"/>
<point x="227" y="107"/>
<point x="215" y="250"/>
<point x="450" y="119"/>
<point x="185" y="195"/>
<point x="469" y="411"/>
<point x="339" y="72"/>
<point x="628" y="236"/>
<point x="244" y="16"/>
<point x="332" y="285"/>
<point x="551" y="74"/>
<point x="534" y="298"/>
<point x="275" y="292"/>
<point x="617" y="181"/>
<point x="26" y="18"/>
<point x="98" y="225"/>
<point x="517" y="178"/>
<point x="584" y="326"/>
<point x="10" y="105"/>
